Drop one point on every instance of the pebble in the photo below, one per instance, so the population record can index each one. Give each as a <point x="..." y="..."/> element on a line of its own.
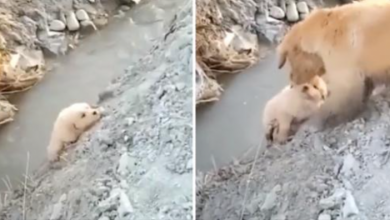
<point x="71" y="21"/>
<point x="333" y="200"/>
<point x="279" y="217"/>
<point x="92" y="1"/>
<point x="292" y="12"/>
<point x="130" y="120"/>
<point x="125" y="8"/>
<point x="277" y="12"/>
<point x="125" y="206"/>
<point x="350" y="208"/>
<point x="190" y="164"/>
<point x="271" y="199"/>
<point x="57" y="25"/>
<point x="52" y="42"/>
<point x="82" y="15"/>
<point x="302" y="7"/>
<point x="324" y="216"/>
<point x="57" y="208"/>
<point x="100" y="22"/>
<point x="126" y="163"/>
<point x="104" y="218"/>
<point x="350" y="165"/>
<point x="109" y="203"/>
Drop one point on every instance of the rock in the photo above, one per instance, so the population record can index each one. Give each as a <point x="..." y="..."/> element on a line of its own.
<point x="72" y="22"/>
<point x="57" y="25"/>
<point x="302" y="7"/>
<point x="130" y="120"/>
<point x="125" y="206"/>
<point x="101" y="22"/>
<point x="30" y="25"/>
<point x="92" y="1"/>
<point x="57" y="208"/>
<point x="279" y="217"/>
<point x="283" y="5"/>
<point x="303" y="16"/>
<point x="324" y="216"/>
<point x="292" y="12"/>
<point x="190" y="164"/>
<point x="26" y="58"/>
<point x="82" y="15"/>
<point x="130" y="2"/>
<point x="111" y="202"/>
<point x="126" y="163"/>
<point x="104" y="218"/>
<point x="277" y="12"/>
<point x="350" y="208"/>
<point x="87" y="27"/>
<point x="332" y="201"/>
<point x="350" y="165"/>
<point x="62" y="17"/>
<point x="271" y="199"/>
<point x="53" y="42"/>
<point x="125" y="8"/>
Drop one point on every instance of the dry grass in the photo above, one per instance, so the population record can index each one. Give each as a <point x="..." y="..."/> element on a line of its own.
<point x="214" y="55"/>
<point x="13" y="78"/>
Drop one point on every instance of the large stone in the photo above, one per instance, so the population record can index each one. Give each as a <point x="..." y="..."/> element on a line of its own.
<point x="55" y="43"/>
<point x="82" y="15"/>
<point x="57" y="25"/>
<point x="292" y="12"/>
<point x="71" y="22"/>
<point x="277" y="12"/>
<point x="302" y="7"/>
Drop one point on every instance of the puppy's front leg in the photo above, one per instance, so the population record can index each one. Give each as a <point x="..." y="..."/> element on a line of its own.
<point x="284" y="132"/>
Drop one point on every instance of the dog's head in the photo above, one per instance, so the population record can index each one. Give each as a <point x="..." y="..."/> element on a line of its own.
<point x="303" y="66"/>
<point x="316" y="90"/>
<point x="83" y="115"/>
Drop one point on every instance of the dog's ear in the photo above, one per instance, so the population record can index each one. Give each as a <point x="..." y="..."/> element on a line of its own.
<point x="282" y="59"/>
<point x="93" y="106"/>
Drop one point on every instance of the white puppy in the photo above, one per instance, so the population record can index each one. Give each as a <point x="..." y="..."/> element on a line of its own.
<point x="71" y="122"/>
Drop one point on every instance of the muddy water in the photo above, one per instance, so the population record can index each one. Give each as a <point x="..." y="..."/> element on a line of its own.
<point x="79" y="76"/>
<point x="231" y="126"/>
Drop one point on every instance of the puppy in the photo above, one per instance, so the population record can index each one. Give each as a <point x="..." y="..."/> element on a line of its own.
<point x="290" y="108"/>
<point x="71" y="122"/>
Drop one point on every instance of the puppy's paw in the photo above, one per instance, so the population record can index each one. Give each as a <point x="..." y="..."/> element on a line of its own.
<point x="52" y="155"/>
<point x="272" y="131"/>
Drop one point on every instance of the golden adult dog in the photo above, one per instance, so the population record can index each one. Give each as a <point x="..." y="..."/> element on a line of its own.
<point x="349" y="43"/>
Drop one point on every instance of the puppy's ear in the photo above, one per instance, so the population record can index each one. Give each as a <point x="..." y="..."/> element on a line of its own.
<point x="282" y="59"/>
<point x="93" y="106"/>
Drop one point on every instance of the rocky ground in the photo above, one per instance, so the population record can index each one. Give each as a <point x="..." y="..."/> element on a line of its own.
<point x="137" y="163"/>
<point x="337" y="174"/>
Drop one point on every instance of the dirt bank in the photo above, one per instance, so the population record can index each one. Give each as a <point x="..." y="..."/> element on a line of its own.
<point x="340" y="174"/>
<point x="137" y="163"/>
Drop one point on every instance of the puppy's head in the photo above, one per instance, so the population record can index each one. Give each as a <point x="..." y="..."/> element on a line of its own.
<point x="83" y="115"/>
<point x="316" y="90"/>
<point x="303" y="66"/>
